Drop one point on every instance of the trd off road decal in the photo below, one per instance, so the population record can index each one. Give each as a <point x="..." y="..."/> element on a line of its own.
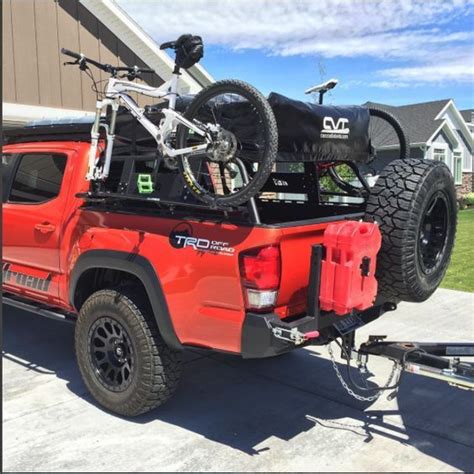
<point x="182" y="237"/>
<point x="22" y="279"/>
<point x="332" y="129"/>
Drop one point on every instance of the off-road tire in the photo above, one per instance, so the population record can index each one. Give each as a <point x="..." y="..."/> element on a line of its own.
<point x="271" y="139"/>
<point x="157" y="368"/>
<point x="399" y="202"/>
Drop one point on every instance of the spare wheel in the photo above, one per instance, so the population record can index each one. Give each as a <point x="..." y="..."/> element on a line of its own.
<point x="414" y="202"/>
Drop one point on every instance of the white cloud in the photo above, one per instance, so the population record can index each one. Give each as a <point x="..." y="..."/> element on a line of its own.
<point x="392" y="45"/>
<point x="458" y="70"/>
<point x="390" y="84"/>
<point x="414" y="31"/>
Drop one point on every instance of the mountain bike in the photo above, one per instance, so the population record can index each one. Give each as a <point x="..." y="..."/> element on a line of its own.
<point x="224" y="144"/>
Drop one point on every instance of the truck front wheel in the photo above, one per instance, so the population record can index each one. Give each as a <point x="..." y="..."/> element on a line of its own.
<point x="123" y="360"/>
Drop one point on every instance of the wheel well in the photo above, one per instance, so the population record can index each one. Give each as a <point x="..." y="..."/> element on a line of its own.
<point x="96" y="279"/>
<point x="100" y="269"/>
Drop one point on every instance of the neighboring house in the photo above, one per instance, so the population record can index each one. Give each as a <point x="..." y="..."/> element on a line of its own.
<point x="439" y="131"/>
<point x="36" y="84"/>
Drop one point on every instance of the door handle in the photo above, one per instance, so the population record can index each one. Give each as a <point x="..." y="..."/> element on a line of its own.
<point x="45" y="227"/>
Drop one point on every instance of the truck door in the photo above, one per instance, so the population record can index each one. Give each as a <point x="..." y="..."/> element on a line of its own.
<point x="32" y="216"/>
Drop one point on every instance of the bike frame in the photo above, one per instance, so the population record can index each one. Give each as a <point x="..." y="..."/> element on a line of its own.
<point x="117" y="94"/>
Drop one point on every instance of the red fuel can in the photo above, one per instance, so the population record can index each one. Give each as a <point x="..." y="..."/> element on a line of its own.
<point x="348" y="269"/>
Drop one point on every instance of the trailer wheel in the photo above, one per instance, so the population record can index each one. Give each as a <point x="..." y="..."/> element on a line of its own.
<point x="414" y="201"/>
<point x="123" y="360"/>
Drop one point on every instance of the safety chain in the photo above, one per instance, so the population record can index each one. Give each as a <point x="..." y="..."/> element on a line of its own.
<point x="396" y="366"/>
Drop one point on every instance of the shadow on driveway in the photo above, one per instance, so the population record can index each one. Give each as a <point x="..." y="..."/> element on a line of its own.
<point x="242" y="403"/>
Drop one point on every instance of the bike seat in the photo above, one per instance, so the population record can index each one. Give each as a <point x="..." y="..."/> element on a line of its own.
<point x="324" y="87"/>
<point x="168" y="45"/>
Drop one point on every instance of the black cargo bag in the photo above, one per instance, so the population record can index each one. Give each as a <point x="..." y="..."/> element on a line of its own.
<point x="312" y="132"/>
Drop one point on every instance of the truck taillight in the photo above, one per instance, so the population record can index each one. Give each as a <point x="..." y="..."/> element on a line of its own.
<point x="260" y="270"/>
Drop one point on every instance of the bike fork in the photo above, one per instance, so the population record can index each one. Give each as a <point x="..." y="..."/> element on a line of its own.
<point x="93" y="171"/>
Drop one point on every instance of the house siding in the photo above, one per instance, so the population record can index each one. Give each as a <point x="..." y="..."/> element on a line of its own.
<point x="33" y="71"/>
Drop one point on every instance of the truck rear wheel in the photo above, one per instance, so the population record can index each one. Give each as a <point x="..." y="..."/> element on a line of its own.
<point x="123" y="360"/>
<point x="414" y="201"/>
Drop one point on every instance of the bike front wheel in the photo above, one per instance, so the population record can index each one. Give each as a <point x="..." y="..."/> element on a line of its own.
<point x="240" y="157"/>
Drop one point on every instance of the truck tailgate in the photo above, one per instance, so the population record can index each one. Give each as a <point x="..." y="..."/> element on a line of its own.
<point x="295" y="246"/>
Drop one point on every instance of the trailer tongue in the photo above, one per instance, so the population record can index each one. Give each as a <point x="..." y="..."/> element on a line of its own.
<point x="438" y="360"/>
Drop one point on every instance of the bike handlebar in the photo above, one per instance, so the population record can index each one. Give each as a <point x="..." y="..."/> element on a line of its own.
<point x="105" y="67"/>
<point x="70" y="53"/>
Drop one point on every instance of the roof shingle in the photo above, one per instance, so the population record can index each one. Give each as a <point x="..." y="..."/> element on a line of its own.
<point x="468" y="115"/>
<point x="418" y="120"/>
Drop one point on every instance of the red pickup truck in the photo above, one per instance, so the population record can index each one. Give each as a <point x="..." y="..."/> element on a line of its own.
<point x="144" y="277"/>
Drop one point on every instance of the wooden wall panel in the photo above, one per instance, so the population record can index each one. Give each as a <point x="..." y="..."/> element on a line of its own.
<point x="68" y="33"/>
<point x="49" y="57"/>
<point x="152" y="80"/>
<point x="108" y="47"/>
<point x="126" y="57"/>
<point x="24" y="49"/>
<point x="8" y="66"/>
<point x="33" y="73"/>
<point x="89" y="46"/>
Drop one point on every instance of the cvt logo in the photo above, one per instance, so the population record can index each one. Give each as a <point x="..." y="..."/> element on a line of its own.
<point x="332" y="129"/>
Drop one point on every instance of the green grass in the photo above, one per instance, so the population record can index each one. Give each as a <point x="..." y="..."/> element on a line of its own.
<point x="460" y="274"/>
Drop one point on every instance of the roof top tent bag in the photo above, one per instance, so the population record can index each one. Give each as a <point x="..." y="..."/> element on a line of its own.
<point x="312" y="132"/>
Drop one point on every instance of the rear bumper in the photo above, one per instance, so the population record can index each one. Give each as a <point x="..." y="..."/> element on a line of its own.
<point x="259" y="340"/>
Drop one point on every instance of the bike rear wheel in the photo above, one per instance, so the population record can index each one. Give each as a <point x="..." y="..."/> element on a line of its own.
<point x="239" y="161"/>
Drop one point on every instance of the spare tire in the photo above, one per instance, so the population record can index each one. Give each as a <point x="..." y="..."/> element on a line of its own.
<point x="414" y="202"/>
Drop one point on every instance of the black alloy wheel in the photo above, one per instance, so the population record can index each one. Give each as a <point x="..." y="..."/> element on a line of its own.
<point x="433" y="232"/>
<point x="112" y="354"/>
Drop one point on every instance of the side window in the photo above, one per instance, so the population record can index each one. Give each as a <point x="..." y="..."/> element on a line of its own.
<point x="38" y="178"/>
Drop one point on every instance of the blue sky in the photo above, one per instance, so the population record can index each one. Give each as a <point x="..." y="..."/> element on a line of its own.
<point x="390" y="51"/>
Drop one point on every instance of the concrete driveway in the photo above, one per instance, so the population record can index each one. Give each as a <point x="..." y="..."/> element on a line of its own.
<point x="283" y="414"/>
